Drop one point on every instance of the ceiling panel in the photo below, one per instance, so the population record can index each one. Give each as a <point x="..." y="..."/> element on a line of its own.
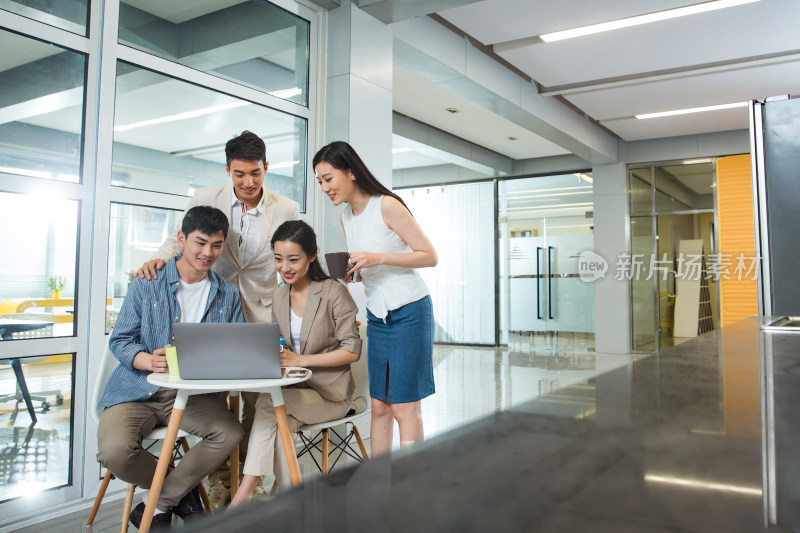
<point x="494" y="21"/>
<point x="710" y="89"/>
<point x="634" y="130"/>
<point x="765" y="27"/>
<point x="473" y="123"/>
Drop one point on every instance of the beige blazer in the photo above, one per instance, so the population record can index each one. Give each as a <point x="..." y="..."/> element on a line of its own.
<point x="256" y="279"/>
<point x="329" y="322"/>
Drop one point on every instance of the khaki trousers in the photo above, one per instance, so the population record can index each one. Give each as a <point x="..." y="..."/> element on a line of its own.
<point x="303" y="406"/>
<point x="123" y="426"/>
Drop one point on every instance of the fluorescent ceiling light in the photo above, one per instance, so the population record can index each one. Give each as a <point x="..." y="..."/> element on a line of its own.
<point x="284" y="164"/>
<point x="584" y="177"/>
<point x="182" y="116"/>
<point x="691" y="110"/>
<point x="400" y="150"/>
<point x="642" y="19"/>
<point x="287" y="93"/>
<point x="700" y="484"/>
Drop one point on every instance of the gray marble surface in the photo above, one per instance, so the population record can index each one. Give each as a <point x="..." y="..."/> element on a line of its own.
<point x="674" y="442"/>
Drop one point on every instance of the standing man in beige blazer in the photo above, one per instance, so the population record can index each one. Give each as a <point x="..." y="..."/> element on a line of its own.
<point x="247" y="259"/>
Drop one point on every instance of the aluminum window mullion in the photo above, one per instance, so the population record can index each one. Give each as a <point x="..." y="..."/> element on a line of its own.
<point x="188" y="74"/>
<point x="43" y="31"/>
<point x="124" y="195"/>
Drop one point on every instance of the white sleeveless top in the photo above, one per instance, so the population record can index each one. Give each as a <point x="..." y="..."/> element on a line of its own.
<point x="387" y="287"/>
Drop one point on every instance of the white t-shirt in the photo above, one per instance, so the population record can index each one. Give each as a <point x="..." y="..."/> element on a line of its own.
<point x="296" y="324"/>
<point x="192" y="299"/>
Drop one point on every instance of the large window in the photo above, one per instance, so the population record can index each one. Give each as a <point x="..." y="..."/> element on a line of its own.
<point x="169" y="136"/>
<point x="36" y="431"/>
<point x="253" y="43"/>
<point x="134" y="235"/>
<point x="41" y="109"/>
<point x="106" y="131"/>
<point x="37" y="280"/>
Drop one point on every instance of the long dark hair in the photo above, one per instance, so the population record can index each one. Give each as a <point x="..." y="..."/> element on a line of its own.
<point x="301" y="233"/>
<point x="342" y="156"/>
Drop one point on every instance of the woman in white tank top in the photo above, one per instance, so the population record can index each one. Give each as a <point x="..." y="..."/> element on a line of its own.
<point x="386" y="246"/>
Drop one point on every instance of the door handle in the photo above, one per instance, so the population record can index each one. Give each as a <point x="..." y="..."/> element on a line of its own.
<point x="538" y="281"/>
<point x="550" y="274"/>
<point x="674" y="284"/>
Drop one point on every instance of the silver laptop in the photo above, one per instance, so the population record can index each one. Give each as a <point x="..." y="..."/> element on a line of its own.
<point x="228" y="351"/>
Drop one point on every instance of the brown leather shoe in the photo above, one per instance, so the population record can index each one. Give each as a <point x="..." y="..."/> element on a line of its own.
<point x="161" y="521"/>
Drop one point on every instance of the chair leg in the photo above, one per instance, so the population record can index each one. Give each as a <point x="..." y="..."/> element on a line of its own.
<point x="126" y="511"/>
<point x="99" y="499"/>
<point x="204" y="498"/>
<point x="326" y="450"/>
<point x="360" y="443"/>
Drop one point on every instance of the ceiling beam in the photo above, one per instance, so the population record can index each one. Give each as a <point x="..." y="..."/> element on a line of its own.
<point x="390" y="11"/>
<point x="431" y="50"/>
<point x="690" y="71"/>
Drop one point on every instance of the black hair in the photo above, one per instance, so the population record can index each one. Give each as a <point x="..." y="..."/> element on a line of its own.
<point x="301" y="233"/>
<point x="342" y="156"/>
<point x="205" y="219"/>
<point x="247" y="146"/>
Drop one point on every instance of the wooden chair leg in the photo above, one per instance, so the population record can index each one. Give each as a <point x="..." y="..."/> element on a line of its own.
<point x="360" y="443"/>
<point x="203" y="494"/>
<point x="126" y="511"/>
<point x="326" y="450"/>
<point x="99" y="499"/>
<point x="204" y="498"/>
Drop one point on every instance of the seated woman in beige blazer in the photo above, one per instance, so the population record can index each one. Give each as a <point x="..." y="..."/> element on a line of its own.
<point x="317" y="318"/>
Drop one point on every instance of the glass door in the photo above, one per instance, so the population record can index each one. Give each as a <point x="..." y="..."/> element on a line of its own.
<point x="544" y="225"/>
<point x="672" y="228"/>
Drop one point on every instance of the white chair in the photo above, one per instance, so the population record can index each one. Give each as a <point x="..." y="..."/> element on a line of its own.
<point x="321" y="432"/>
<point x="107" y="365"/>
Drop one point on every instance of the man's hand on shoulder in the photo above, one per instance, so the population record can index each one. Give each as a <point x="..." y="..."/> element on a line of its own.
<point x="148" y="270"/>
<point x="151" y="362"/>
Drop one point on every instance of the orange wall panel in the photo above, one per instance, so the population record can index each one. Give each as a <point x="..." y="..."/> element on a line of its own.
<point x="736" y="231"/>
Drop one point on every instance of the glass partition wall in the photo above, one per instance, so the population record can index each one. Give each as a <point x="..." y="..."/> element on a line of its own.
<point x="673" y="259"/>
<point x="545" y="223"/>
<point x="508" y="261"/>
<point x="99" y="155"/>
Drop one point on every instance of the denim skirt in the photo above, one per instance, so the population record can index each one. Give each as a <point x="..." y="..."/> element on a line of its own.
<point x="400" y="353"/>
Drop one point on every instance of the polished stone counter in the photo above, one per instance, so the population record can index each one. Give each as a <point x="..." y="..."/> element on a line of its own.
<point x="671" y="442"/>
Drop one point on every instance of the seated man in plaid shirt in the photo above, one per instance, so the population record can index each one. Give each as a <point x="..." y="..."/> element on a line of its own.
<point x="186" y="290"/>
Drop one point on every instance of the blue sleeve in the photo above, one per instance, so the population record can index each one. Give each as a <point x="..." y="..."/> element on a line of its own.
<point x="236" y="309"/>
<point x="125" y="341"/>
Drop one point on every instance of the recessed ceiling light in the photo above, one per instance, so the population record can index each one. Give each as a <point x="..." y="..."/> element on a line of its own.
<point x="642" y="19"/>
<point x="691" y="110"/>
<point x="453" y="110"/>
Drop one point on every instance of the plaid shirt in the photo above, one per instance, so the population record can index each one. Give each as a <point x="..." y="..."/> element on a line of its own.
<point x="145" y="324"/>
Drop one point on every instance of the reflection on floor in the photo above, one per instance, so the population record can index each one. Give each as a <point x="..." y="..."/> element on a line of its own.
<point x="471" y="382"/>
<point x="35" y="455"/>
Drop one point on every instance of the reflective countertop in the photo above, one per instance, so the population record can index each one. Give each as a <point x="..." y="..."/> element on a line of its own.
<point x="674" y="442"/>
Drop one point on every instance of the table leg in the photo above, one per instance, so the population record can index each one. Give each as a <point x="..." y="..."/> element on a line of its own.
<point x="234" y="460"/>
<point x="164" y="459"/>
<point x="286" y="436"/>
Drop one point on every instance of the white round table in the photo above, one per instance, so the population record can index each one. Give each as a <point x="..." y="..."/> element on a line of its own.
<point x="189" y="387"/>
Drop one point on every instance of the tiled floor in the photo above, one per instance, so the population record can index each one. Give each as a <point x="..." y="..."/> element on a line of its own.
<point x="471" y="382"/>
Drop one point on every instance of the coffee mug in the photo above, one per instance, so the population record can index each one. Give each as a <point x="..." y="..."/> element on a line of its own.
<point x="338" y="263"/>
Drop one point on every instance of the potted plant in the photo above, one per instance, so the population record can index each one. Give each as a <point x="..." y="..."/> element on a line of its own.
<point x="56" y="285"/>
